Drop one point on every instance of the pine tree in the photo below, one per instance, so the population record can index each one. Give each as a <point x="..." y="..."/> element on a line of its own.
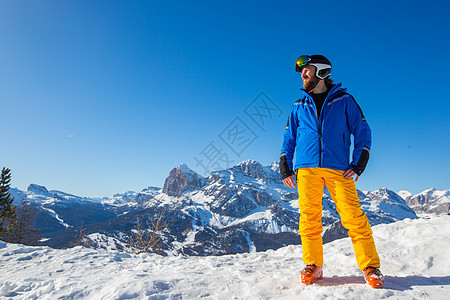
<point x="7" y="210"/>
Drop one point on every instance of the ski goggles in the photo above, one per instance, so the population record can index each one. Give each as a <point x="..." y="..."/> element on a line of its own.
<point x="301" y="61"/>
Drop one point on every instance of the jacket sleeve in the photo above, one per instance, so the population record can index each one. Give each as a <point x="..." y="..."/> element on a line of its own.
<point x="362" y="136"/>
<point x="288" y="146"/>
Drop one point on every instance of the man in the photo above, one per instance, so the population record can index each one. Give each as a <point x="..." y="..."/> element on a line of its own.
<point x="318" y="133"/>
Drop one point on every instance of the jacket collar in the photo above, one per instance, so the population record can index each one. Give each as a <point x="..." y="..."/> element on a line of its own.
<point x="336" y="89"/>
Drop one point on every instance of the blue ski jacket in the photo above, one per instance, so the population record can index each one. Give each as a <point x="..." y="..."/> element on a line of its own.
<point x="324" y="140"/>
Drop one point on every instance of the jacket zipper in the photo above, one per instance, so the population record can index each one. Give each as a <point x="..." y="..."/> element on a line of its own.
<point x="319" y="127"/>
<point x="320" y="136"/>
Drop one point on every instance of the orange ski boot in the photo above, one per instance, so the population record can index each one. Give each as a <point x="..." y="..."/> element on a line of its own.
<point x="311" y="273"/>
<point x="373" y="277"/>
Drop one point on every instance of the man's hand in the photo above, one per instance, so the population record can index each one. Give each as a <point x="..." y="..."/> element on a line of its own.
<point x="350" y="173"/>
<point x="290" y="181"/>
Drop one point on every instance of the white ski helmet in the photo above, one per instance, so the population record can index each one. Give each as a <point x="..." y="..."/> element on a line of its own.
<point x="322" y="64"/>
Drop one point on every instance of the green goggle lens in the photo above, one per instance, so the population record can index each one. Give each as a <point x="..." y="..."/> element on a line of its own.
<point x="301" y="61"/>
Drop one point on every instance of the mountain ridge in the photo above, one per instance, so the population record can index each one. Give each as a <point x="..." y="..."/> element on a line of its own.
<point x="240" y="209"/>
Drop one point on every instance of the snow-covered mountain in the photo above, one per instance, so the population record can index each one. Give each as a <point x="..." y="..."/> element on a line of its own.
<point x="429" y="201"/>
<point x="413" y="270"/>
<point x="248" y="208"/>
<point x="126" y="198"/>
<point x="39" y="195"/>
<point x="241" y="209"/>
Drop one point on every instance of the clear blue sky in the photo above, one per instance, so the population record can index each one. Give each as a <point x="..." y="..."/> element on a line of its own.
<point x="101" y="97"/>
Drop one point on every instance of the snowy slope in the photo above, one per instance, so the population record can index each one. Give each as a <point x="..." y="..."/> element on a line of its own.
<point x="413" y="252"/>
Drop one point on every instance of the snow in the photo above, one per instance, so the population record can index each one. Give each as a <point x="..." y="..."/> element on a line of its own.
<point x="56" y="216"/>
<point x="405" y="194"/>
<point x="120" y="198"/>
<point x="440" y="196"/>
<point x="186" y="170"/>
<point x="414" y="255"/>
<point x="251" y="245"/>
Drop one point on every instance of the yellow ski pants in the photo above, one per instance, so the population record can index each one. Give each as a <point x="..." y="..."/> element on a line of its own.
<point x="310" y="183"/>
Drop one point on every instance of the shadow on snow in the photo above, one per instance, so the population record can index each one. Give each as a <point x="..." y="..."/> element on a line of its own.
<point x="390" y="282"/>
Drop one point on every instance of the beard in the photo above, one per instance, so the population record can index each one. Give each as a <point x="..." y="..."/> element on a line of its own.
<point x="309" y="83"/>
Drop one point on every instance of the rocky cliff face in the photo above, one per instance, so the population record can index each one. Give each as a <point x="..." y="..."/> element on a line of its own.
<point x="182" y="179"/>
<point x="429" y="201"/>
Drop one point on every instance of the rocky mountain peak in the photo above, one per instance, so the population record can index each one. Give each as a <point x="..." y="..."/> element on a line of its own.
<point x="182" y="179"/>
<point x="385" y="195"/>
<point x="431" y="201"/>
<point x="252" y="169"/>
<point x="38" y="190"/>
<point x="146" y="194"/>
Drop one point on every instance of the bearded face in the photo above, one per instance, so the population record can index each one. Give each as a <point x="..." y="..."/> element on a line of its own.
<point x="309" y="77"/>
